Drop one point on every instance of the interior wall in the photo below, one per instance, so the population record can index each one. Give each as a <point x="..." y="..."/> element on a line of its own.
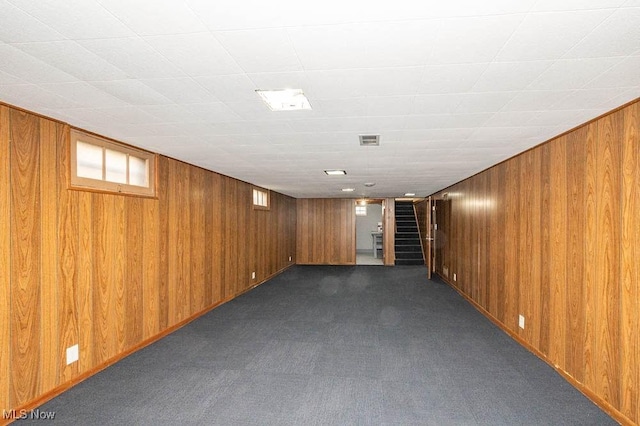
<point x="554" y="234"/>
<point x="422" y="217"/>
<point x="326" y="231"/>
<point x="365" y="225"/>
<point x="109" y="272"/>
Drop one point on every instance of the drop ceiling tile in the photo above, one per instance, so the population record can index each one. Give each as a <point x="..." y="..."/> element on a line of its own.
<point x="535" y="100"/>
<point x="509" y="76"/>
<point x="510" y="118"/>
<point x="444" y="137"/>
<point x="253" y="110"/>
<point x="129" y="115"/>
<point x="456" y="78"/>
<point x="134" y="56"/>
<point x="214" y="112"/>
<point x="428" y="121"/>
<point x="197" y="54"/>
<point x="623" y="74"/>
<point x="79" y="117"/>
<point x="226" y="15"/>
<point x="76" y="19"/>
<point x="369" y="45"/>
<point x="73" y="59"/>
<point x="569" y="5"/>
<point x="168" y="113"/>
<point x="593" y="97"/>
<point x="7" y="79"/>
<point x="547" y="36"/>
<point x="618" y="35"/>
<point x="267" y="50"/>
<point x="435" y="104"/>
<point x="389" y="105"/>
<point x="281" y="80"/>
<point x="180" y="90"/>
<point x="337" y="124"/>
<point x="149" y="17"/>
<point x="83" y="94"/>
<point x="568" y="118"/>
<point x="30" y="69"/>
<point x="483" y="102"/>
<point x="29" y="96"/>
<point x="200" y="129"/>
<point x="621" y="99"/>
<point x="344" y="107"/>
<point x="20" y="27"/>
<point x="133" y="92"/>
<point x="485" y="37"/>
<point x="235" y="87"/>
<point x="444" y="121"/>
<point x="366" y="82"/>
<point x="572" y="73"/>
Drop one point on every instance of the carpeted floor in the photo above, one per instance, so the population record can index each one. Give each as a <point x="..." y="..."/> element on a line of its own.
<point x="323" y="345"/>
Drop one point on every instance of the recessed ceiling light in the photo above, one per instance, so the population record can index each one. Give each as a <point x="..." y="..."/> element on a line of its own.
<point x="348" y="189"/>
<point x="285" y="99"/>
<point x="335" y="172"/>
<point x="409" y="194"/>
<point x="369" y="184"/>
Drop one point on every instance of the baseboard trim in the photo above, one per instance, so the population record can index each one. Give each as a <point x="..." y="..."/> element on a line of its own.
<point x="604" y="405"/>
<point x="33" y="404"/>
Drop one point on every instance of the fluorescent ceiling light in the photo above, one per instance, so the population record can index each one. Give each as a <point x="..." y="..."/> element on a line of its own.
<point x="348" y="189"/>
<point x="285" y="99"/>
<point x="409" y="194"/>
<point x="335" y="172"/>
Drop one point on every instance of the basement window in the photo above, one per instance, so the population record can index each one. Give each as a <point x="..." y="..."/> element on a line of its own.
<point x="361" y="210"/>
<point x="98" y="164"/>
<point x="260" y="199"/>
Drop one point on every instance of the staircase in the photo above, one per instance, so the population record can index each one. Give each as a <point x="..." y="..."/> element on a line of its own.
<point x="408" y="248"/>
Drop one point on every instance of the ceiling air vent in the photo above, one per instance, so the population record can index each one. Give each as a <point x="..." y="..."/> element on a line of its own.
<point x="369" y="140"/>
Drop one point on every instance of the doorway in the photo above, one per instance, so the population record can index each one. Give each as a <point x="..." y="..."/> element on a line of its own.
<point x="369" y="241"/>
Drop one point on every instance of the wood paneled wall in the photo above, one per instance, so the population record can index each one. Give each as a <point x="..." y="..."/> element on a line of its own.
<point x="109" y="272"/>
<point x="554" y="234"/>
<point x="326" y="232"/>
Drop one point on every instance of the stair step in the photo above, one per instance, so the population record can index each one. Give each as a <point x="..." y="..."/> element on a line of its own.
<point x="415" y="241"/>
<point x="406" y="262"/>
<point x="409" y="249"/>
<point x="409" y="254"/>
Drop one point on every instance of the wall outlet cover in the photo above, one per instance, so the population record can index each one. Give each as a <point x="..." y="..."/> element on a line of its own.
<point x="253" y="275"/>
<point x="72" y="354"/>
<point x="521" y="321"/>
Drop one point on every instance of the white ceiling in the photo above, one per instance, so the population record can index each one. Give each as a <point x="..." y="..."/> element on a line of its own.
<point x="451" y="86"/>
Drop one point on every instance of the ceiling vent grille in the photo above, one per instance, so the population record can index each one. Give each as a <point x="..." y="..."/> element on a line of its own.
<point x="369" y="140"/>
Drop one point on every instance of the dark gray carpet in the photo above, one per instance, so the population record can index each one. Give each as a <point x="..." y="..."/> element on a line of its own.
<point x="322" y="345"/>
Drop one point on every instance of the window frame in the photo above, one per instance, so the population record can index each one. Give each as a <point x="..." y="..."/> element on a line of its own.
<point x="101" y="185"/>
<point x="267" y="194"/>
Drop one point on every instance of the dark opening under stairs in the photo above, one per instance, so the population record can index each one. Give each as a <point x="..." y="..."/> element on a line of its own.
<point x="408" y="248"/>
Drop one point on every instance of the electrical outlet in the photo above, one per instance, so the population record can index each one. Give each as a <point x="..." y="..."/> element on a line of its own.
<point x="455" y="277"/>
<point x="289" y="258"/>
<point x="72" y="354"/>
<point x="253" y="275"/>
<point x="521" y="321"/>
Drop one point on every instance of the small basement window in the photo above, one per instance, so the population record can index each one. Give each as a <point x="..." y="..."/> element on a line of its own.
<point x="102" y="165"/>
<point x="361" y="210"/>
<point x="260" y="199"/>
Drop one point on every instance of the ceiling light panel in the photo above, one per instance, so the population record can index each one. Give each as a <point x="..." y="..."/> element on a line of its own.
<point x="285" y="99"/>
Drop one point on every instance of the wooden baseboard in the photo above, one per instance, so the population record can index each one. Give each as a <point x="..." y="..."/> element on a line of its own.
<point x="33" y="404"/>
<point x="604" y="405"/>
